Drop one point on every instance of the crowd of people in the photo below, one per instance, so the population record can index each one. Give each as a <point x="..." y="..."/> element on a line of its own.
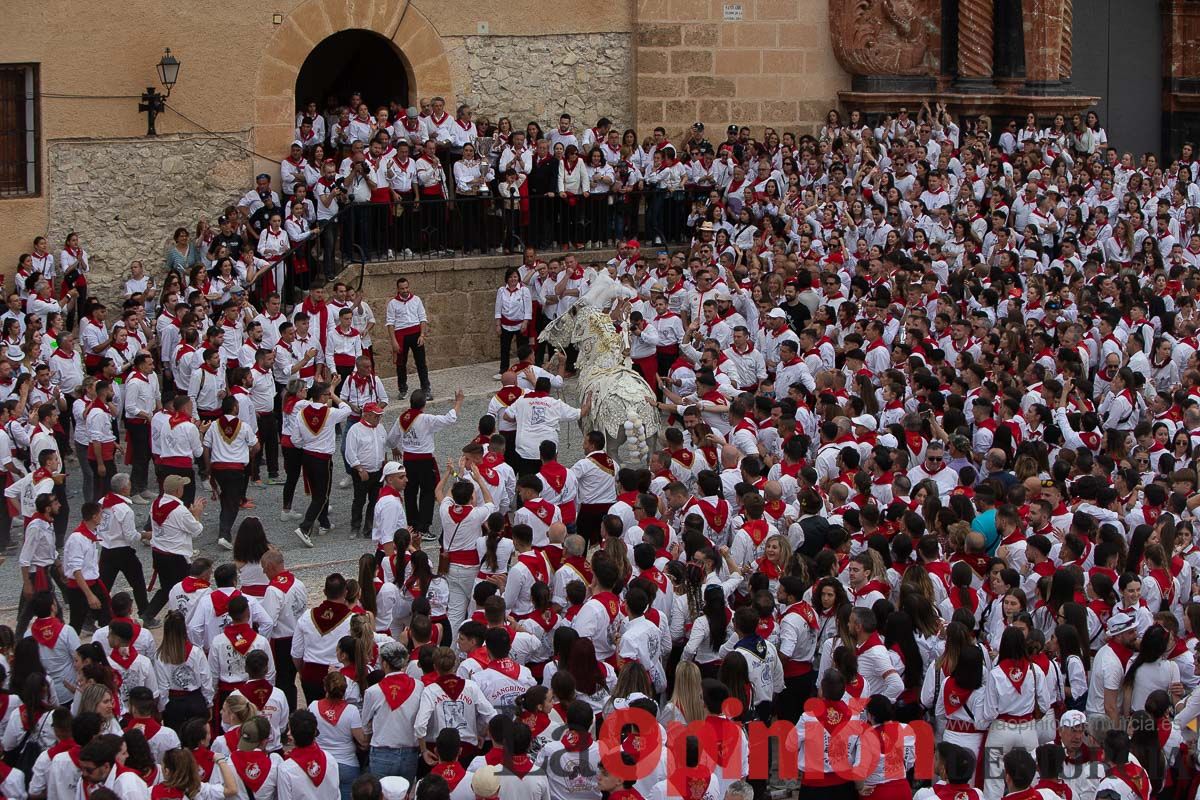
<point x="932" y="409"/>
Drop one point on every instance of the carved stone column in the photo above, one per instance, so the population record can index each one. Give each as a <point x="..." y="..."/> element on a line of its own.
<point x="975" y="45"/>
<point x="1042" y="23"/>
<point x="1064" y="61"/>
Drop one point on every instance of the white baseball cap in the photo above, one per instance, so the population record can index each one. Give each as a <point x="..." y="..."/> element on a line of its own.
<point x="1029" y="254"/>
<point x="1071" y="718"/>
<point x="777" y="313"/>
<point x="393" y="468"/>
<point x="865" y="421"/>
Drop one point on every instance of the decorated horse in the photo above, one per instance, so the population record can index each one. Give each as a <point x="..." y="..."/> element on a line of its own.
<point x="623" y="406"/>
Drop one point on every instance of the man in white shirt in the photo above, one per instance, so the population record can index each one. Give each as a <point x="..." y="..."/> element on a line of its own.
<point x="316" y="435"/>
<point x="462" y="526"/>
<point x="413" y="435"/>
<point x="173" y="528"/>
<point x="388" y="515"/>
<point x="308" y="772"/>
<point x="365" y="448"/>
<point x="56" y="644"/>
<point x="537" y="416"/>
<point x="389" y="709"/>
<point x="408" y="322"/>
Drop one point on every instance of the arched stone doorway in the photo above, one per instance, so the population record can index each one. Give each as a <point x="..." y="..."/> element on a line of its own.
<point x="408" y="30"/>
<point x="354" y="61"/>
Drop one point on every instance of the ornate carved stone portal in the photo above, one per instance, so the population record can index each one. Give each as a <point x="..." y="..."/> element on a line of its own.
<point x="893" y="50"/>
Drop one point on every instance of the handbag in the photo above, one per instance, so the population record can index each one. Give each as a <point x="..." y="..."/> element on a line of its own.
<point x="443" y="567"/>
<point x="24" y="755"/>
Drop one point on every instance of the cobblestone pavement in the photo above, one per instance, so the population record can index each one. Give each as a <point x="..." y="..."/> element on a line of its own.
<point x="335" y="551"/>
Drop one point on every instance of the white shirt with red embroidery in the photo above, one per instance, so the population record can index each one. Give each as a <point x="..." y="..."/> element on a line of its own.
<point x="453" y="702"/>
<point x="316" y="426"/>
<point x="538" y="514"/>
<point x="600" y="619"/>
<point x="228" y="650"/>
<point x="595" y="479"/>
<point x="133" y="669"/>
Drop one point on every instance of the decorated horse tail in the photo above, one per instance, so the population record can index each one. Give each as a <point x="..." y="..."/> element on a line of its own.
<point x="635" y="439"/>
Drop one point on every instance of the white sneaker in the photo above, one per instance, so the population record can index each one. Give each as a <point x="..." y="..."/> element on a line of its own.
<point x="497" y="376"/>
<point x="224" y="544"/>
<point x="325" y="531"/>
<point x="286" y="515"/>
<point x="407" y="253"/>
<point x="344" y="483"/>
<point x="303" y="537"/>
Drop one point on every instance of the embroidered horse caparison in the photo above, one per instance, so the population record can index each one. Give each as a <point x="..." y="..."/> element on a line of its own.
<point x="623" y="405"/>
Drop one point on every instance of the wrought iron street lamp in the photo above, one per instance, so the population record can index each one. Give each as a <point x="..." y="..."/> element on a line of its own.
<point x="153" y="102"/>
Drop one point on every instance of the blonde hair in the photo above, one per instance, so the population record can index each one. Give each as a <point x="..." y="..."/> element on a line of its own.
<point x="785" y="548"/>
<point x="90" y="699"/>
<point x="687" y="697"/>
<point x="362" y="630"/>
<point x="240" y="708"/>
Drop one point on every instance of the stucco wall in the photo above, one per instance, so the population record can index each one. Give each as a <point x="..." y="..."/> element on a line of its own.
<point x="774" y="66"/>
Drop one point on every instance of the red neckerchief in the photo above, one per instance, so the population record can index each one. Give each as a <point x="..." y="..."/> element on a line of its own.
<point x="451" y="771"/>
<point x="397" y="687"/>
<point x="252" y="766"/>
<point x="147" y="725"/>
<point x="312" y="761"/>
<point x="241" y="636"/>
<point x="452" y="685"/>
<point x="1134" y="777"/>
<point x="45" y="631"/>
<point x="1122" y="652"/>
<point x="126" y="659"/>
<point x="162" y="508"/>
<point x="574" y="741"/>
<point x="1015" y="670"/>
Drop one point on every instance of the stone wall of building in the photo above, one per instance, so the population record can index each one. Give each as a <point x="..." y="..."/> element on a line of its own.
<point x="528" y="78"/>
<point x="750" y="62"/>
<point x="125" y="197"/>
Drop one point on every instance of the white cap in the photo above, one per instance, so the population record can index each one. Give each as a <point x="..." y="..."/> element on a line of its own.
<point x="865" y="421"/>
<point x="486" y="783"/>
<point x="393" y="468"/>
<point x="723" y="294"/>
<point x="887" y="440"/>
<point x="1071" y="718"/>
<point x="1030" y="254"/>
<point x="1120" y="623"/>
<point x="777" y="313"/>
<point x="394" y="787"/>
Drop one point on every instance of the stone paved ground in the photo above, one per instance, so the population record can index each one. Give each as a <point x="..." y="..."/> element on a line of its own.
<point x="335" y="551"/>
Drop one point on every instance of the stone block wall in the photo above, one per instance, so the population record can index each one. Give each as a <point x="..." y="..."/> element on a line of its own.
<point x="125" y="197"/>
<point x="588" y="75"/>
<point x="460" y="299"/>
<point x="773" y="67"/>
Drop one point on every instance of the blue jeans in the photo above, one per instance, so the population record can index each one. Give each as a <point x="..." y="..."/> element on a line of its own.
<point x="400" y="761"/>
<point x="347" y="774"/>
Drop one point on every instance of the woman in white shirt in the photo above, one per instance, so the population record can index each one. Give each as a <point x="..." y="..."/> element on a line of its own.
<point x="601" y="178"/>
<point x="712" y="634"/>
<point x="594" y="679"/>
<point x="1149" y="670"/>
<point x="73" y="260"/>
<point x="471" y="186"/>
<point x="573" y="189"/>
<point x="339" y="729"/>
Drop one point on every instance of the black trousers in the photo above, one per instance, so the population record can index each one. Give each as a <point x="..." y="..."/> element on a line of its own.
<point x="139" y="446"/>
<point x="409" y="344"/>
<point x="102" y="484"/>
<point x="318" y="471"/>
<point x="171" y="569"/>
<point x="522" y="466"/>
<point x="78" y="606"/>
<point x="365" y="494"/>
<point x="796" y="690"/>
<point x="291" y="468"/>
<point x="507" y="340"/>
<point x="328" y="241"/>
<point x="285" y="669"/>
<point x="189" y="491"/>
<point x="63" y="515"/>
<point x="5" y="526"/>
<point x="124" y="561"/>
<point x="268" y="437"/>
<point x="418" y="493"/>
<point x="232" y="485"/>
